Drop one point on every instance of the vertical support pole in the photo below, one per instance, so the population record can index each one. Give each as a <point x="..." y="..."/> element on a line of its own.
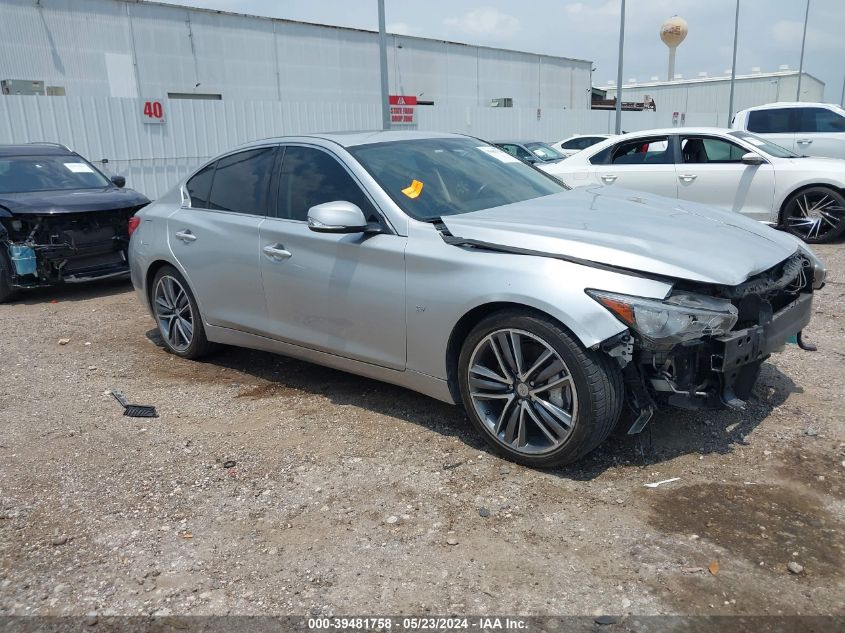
<point x="619" y="71"/>
<point x="733" y="66"/>
<point x="382" y="51"/>
<point x="803" y="42"/>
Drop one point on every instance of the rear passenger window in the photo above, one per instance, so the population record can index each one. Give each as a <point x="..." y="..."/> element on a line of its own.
<point x="310" y="177"/>
<point x="602" y="157"/>
<point x="820" y="120"/>
<point x="199" y="186"/>
<point x="242" y="182"/>
<point x="653" y="151"/>
<point x="771" y="121"/>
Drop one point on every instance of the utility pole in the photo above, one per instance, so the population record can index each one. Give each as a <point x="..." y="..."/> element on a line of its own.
<point x="382" y="50"/>
<point x="803" y="41"/>
<point x="733" y="65"/>
<point x="619" y="71"/>
<point x="842" y="99"/>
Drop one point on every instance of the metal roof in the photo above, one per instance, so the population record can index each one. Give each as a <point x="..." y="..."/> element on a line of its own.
<point x="347" y="28"/>
<point x="701" y="80"/>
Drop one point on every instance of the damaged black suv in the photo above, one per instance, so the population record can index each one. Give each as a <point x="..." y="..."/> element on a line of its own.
<point x="61" y="219"/>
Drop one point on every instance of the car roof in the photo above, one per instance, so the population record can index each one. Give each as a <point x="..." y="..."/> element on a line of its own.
<point x="673" y="130"/>
<point x="515" y="142"/>
<point x="353" y="138"/>
<point x="35" y="149"/>
<point x="791" y="104"/>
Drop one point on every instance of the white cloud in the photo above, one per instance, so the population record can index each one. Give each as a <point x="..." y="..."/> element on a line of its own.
<point x="484" y="21"/>
<point x="400" y="28"/>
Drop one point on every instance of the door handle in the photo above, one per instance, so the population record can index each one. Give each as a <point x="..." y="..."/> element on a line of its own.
<point x="608" y="177"/>
<point x="186" y="236"/>
<point x="276" y="252"/>
<point x="688" y="177"/>
<point x="804" y="141"/>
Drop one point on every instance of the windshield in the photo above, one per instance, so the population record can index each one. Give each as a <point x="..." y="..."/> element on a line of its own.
<point x="20" y="174"/>
<point x="541" y="150"/>
<point x="765" y="146"/>
<point x="430" y="178"/>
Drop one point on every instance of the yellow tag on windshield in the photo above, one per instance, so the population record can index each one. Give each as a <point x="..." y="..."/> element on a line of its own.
<point x="414" y="190"/>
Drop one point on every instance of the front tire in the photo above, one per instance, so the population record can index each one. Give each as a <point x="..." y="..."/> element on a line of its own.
<point x="815" y="214"/>
<point x="534" y="392"/>
<point x="177" y="315"/>
<point x="7" y="290"/>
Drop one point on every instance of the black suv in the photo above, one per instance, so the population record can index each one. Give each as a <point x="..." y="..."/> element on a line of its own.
<point x="61" y="218"/>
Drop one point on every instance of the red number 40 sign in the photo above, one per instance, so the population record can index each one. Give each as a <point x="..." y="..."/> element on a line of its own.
<point x="153" y="111"/>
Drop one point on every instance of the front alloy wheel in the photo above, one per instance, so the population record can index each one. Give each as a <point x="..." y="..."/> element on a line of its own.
<point x="534" y="392"/>
<point x="816" y="215"/>
<point x="522" y="391"/>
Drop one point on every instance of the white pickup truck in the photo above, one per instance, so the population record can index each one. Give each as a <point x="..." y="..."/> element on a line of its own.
<point x="812" y="129"/>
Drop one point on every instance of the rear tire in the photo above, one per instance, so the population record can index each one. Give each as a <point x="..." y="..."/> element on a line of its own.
<point x="177" y="315"/>
<point x="815" y="214"/>
<point x="541" y="413"/>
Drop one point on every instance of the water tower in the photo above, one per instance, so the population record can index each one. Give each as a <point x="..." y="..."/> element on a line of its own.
<point x="672" y="32"/>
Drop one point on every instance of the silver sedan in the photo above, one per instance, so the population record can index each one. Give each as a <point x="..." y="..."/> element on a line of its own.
<point x="445" y="265"/>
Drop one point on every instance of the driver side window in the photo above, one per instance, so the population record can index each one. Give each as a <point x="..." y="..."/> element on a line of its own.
<point x="310" y="177"/>
<point x="698" y="149"/>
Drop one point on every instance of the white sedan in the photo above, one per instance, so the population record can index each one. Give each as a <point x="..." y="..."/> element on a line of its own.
<point x="575" y="144"/>
<point x="732" y="169"/>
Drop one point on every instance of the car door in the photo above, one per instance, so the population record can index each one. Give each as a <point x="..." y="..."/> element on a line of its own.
<point x="777" y="125"/>
<point x="821" y="132"/>
<point x="337" y="293"/>
<point x="214" y="237"/>
<point x="711" y="171"/>
<point x="646" y="164"/>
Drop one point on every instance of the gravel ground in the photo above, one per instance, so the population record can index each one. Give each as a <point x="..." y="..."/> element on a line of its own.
<point x="271" y="486"/>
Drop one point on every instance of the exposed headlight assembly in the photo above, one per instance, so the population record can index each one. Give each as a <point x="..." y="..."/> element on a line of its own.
<point x="681" y="317"/>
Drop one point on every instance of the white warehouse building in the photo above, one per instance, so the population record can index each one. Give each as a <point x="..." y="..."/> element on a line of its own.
<point x="139" y="49"/>
<point x="705" y="95"/>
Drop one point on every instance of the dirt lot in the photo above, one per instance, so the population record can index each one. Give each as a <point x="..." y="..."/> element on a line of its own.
<point x="349" y="496"/>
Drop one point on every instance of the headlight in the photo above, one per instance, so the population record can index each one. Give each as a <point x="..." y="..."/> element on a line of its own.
<point x="681" y="317"/>
<point x="819" y="271"/>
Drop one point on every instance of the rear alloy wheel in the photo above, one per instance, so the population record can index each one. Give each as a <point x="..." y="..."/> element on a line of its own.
<point x="177" y="315"/>
<point x="534" y="392"/>
<point x="816" y="215"/>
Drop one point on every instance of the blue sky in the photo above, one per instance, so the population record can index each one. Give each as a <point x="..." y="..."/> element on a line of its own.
<point x="769" y="35"/>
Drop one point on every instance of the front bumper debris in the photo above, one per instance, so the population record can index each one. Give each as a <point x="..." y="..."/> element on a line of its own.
<point x="721" y="371"/>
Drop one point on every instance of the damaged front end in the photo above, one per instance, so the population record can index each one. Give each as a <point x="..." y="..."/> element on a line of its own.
<point x="47" y="249"/>
<point x="703" y="346"/>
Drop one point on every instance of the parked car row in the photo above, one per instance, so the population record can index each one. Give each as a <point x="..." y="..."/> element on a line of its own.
<point x="446" y="265"/>
<point x="735" y="170"/>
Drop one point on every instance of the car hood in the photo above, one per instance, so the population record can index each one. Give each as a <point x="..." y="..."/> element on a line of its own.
<point x="814" y="164"/>
<point x="70" y="201"/>
<point x="633" y="230"/>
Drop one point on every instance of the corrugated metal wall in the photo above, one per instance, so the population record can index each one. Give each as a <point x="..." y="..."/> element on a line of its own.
<point x="112" y="48"/>
<point x="154" y="157"/>
<point x="714" y="95"/>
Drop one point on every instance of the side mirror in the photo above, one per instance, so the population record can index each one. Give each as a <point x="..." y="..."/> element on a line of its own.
<point x="119" y="181"/>
<point x="752" y="158"/>
<point x="337" y="217"/>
